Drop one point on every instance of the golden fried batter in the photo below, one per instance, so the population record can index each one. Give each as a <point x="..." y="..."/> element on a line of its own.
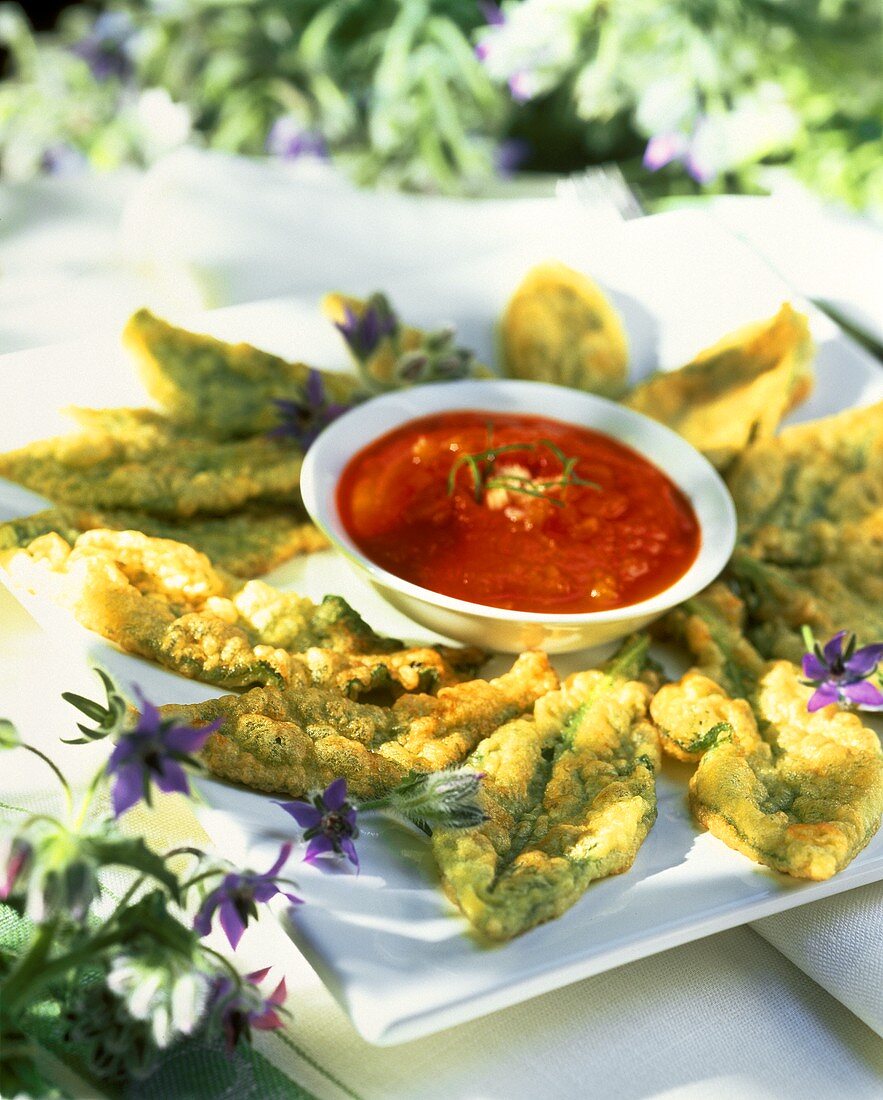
<point x="246" y="543"/>
<point x="570" y="796"/>
<point x="736" y="391"/>
<point x="711" y="627"/>
<point x="560" y="327"/>
<point x="171" y="475"/>
<point x="165" y="601"/>
<point x="227" y="390"/>
<point x="810" y="505"/>
<point x="293" y="740"/>
<point x="800" y="792"/>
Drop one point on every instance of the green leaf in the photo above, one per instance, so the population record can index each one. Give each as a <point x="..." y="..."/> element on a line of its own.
<point x="133" y="852"/>
<point x="150" y="916"/>
<point x="723" y="731"/>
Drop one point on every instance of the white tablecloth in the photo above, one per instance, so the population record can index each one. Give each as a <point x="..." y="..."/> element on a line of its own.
<point x="789" y="1007"/>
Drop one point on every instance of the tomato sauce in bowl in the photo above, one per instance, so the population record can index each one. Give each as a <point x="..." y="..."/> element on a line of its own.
<point x="519" y="512"/>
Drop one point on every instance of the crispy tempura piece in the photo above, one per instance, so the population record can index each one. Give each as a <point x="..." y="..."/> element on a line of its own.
<point x="165" y="601"/>
<point x="175" y="475"/>
<point x="810" y="506"/>
<point x="570" y="797"/>
<point x="226" y="390"/>
<point x="694" y="714"/>
<point x="711" y="626"/>
<point x="293" y="740"/>
<point x="560" y="327"/>
<point x="736" y="391"/>
<point x="825" y="470"/>
<point x="800" y="792"/>
<point x="246" y="543"/>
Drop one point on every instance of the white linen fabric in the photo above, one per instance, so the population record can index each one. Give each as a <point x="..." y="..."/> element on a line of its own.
<point x="769" y="1011"/>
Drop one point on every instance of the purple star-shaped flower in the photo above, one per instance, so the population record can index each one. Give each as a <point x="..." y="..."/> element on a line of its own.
<point x="153" y="752"/>
<point x="289" y="140"/>
<point x="841" y="674"/>
<point x="105" y="49"/>
<point x="243" y="1008"/>
<point x="329" y="823"/>
<point x="302" y="421"/>
<point x="363" y="332"/>
<point x="237" y="898"/>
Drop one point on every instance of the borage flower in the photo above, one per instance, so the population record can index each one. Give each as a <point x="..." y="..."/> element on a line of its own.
<point x="328" y="821"/>
<point x="364" y="331"/>
<point x="841" y="673"/>
<point x="237" y="898"/>
<point x="243" y="1007"/>
<point x="290" y="141"/>
<point x="302" y="421"/>
<point x="105" y="49"/>
<point x="153" y="752"/>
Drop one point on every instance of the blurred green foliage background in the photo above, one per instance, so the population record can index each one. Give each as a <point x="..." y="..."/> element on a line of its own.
<point x="444" y="95"/>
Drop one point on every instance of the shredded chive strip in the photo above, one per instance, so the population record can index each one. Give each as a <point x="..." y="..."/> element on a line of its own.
<point x="481" y="467"/>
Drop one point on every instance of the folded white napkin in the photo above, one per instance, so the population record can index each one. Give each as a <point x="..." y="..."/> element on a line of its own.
<point x="839" y="942"/>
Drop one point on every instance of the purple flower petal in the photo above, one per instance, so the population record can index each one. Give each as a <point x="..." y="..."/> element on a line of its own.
<point x="813" y="669"/>
<point x="150" y="719"/>
<point x="293" y="898"/>
<point x="172" y="777"/>
<point x="522" y="86"/>
<point x="862" y="694"/>
<point x="349" y="850"/>
<point x="834" y="649"/>
<point x="267" y="1021"/>
<point x="824" y="695"/>
<point x="315" y="388"/>
<point x="231" y="922"/>
<point x="202" y="922"/>
<point x="863" y="662"/>
<point x="284" y="853"/>
<point x="187" y="739"/>
<point x="127" y="789"/>
<point x="334" y="795"/>
<point x="263" y="891"/>
<point x="304" y="814"/>
<point x="662" y="149"/>
<point x="492" y="13"/>
<point x="318" y="846"/>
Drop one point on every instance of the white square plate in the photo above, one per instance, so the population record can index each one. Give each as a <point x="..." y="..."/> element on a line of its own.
<point x="387" y="943"/>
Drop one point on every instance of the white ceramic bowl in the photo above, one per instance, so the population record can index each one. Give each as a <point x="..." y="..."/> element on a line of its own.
<point x="498" y="628"/>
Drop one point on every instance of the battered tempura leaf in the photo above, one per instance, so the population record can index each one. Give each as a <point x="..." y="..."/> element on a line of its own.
<point x="224" y="389"/>
<point x="560" y="327"/>
<point x="711" y="626"/>
<point x="246" y="543"/>
<point x="736" y="391"/>
<point x="174" y="476"/>
<point x="570" y="796"/>
<point x="810" y="506"/>
<point x="800" y="792"/>
<point x="165" y="601"/>
<point x="292" y="740"/>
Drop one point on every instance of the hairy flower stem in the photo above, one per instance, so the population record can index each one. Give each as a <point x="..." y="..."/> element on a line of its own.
<point x="68" y="793"/>
<point x="89" y="795"/>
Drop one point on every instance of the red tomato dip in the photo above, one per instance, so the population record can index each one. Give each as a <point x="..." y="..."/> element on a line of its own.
<point x="518" y="512"/>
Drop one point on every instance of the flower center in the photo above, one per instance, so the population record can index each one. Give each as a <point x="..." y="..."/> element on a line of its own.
<point x="335" y="824"/>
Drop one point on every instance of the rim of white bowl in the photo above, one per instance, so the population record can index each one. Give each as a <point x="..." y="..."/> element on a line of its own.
<point x="690" y="471"/>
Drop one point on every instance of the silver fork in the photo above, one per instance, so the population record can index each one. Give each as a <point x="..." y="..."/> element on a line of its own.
<point x="601" y="186"/>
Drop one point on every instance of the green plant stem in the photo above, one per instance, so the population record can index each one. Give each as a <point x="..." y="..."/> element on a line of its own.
<point x="89" y="795"/>
<point x="58" y="774"/>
